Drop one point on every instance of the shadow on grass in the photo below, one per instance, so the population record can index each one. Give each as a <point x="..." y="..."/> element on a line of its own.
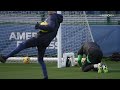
<point x="114" y="70"/>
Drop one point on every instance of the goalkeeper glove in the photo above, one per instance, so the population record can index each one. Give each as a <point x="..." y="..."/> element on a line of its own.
<point x="79" y="60"/>
<point x="37" y="26"/>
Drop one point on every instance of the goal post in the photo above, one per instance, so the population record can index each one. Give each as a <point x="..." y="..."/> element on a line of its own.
<point x="88" y="26"/>
<point x="59" y="51"/>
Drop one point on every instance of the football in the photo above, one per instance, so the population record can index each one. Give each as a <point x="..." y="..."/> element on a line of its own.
<point x="44" y="23"/>
<point x="26" y="60"/>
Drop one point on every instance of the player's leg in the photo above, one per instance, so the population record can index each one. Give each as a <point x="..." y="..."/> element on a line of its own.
<point x="41" y="52"/>
<point x="95" y="69"/>
<point x="32" y="42"/>
<point x="101" y="66"/>
<point x="87" y="66"/>
<point x="95" y="57"/>
<point x="92" y="61"/>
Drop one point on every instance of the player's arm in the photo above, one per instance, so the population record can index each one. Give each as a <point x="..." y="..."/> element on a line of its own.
<point x="80" y="56"/>
<point x="79" y="60"/>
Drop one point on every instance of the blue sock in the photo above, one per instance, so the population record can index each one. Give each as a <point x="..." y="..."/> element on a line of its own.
<point x="17" y="50"/>
<point x="44" y="69"/>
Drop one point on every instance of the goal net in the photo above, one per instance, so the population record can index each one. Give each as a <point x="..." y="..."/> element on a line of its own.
<point x="74" y="31"/>
<point x="17" y="26"/>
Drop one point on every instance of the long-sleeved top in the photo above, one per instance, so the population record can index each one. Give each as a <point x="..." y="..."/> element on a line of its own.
<point x="53" y="23"/>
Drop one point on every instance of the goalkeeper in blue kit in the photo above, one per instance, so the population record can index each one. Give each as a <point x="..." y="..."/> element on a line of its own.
<point x="47" y="32"/>
<point x="90" y="58"/>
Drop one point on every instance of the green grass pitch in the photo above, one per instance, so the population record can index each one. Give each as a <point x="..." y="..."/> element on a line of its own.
<point x="33" y="71"/>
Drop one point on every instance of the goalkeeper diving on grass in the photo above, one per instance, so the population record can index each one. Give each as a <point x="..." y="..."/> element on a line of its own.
<point x="47" y="31"/>
<point x="90" y="58"/>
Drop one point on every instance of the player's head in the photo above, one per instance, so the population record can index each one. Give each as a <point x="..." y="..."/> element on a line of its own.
<point x="51" y="12"/>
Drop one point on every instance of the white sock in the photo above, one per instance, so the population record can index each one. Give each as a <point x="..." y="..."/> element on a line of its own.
<point x="95" y="65"/>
